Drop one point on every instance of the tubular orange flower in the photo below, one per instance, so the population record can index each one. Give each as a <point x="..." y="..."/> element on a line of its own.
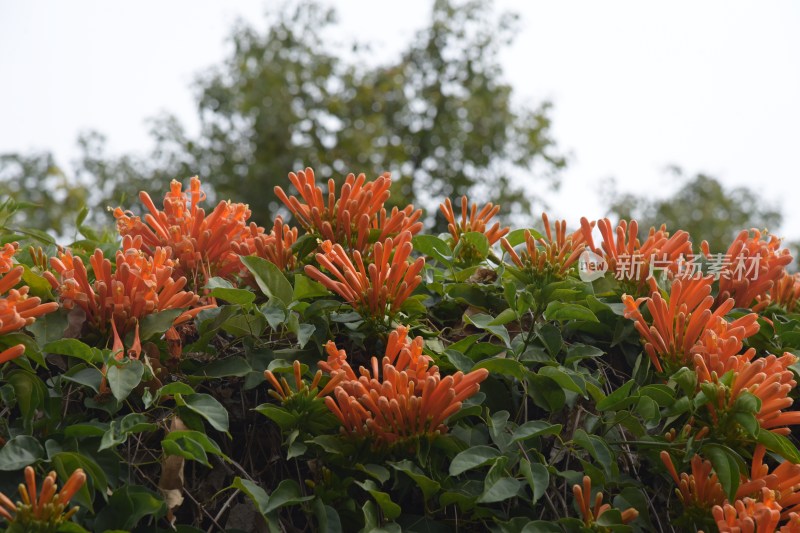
<point x="784" y="481"/>
<point x="45" y="509"/>
<point x="201" y="245"/>
<point x="591" y="514"/>
<point x="769" y="379"/>
<point x="140" y="285"/>
<point x="348" y="219"/>
<point x="378" y="289"/>
<point x="755" y="266"/>
<point x="473" y="220"/>
<point x="281" y="390"/>
<point x="679" y="323"/>
<point x="7" y="257"/>
<point x="17" y="309"/>
<point x="402" y="399"/>
<point x="720" y="345"/>
<point x="748" y="515"/>
<point x="275" y="246"/>
<point x="546" y="256"/>
<point x="625" y="255"/>
<point x="701" y="490"/>
<point x="786" y="292"/>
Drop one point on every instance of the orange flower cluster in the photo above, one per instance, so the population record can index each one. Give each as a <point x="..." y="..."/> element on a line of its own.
<point x="275" y="246"/>
<point x="762" y="501"/>
<point x="282" y="391"/>
<point x="784" y="481"/>
<point x="46" y="512"/>
<point x="749" y="515"/>
<point x="786" y="292"/>
<point x="401" y="398"/>
<point x="702" y="489"/>
<point x="348" y="219"/>
<point x="377" y="289"/>
<point x="769" y="379"/>
<point x="680" y="323"/>
<point x="548" y="256"/>
<point x="473" y="220"/>
<point x="138" y="286"/>
<point x="17" y="309"/>
<point x="591" y="514"/>
<point x="622" y="244"/>
<point x="755" y="266"/>
<point x="201" y="245"/>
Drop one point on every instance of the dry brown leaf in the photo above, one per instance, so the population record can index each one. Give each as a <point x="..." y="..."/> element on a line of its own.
<point x="171" y="482"/>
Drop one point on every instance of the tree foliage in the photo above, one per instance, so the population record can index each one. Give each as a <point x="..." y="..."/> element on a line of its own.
<point x="440" y="117"/>
<point x="702" y="206"/>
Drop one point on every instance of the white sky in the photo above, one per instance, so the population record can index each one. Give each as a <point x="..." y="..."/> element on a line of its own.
<point x="711" y="86"/>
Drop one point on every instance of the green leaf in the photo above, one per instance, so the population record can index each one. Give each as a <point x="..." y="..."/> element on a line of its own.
<point x="174" y="388"/>
<point x="578" y="352"/>
<point x="551" y="338"/>
<point x="535" y="428"/>
<point x="234" y="296"/>
<point x="208" y="407"/>
<point x="599" y="450"/>
<point x="517" y="236"/>
<point x="483" y="321"/>
<point x="286" y="493"/>
<point x="187" y="448"/>
<point x="618" y="398"/>
<point x="89" y="429"/>
<point x="661" y="394"/>
<point x="119" y="430"/>
<point x="779" y="444"/>
<point x="503" y="367"/>
<point x="376" y="471"/>
<point x="279" y="415"/>
<point x="191" y="445"/>
<point x="499" y="490"/>
<point x="157" y="323"/>
<point x="459" y="360"/>
<point x="723" y="459"/>
<point x="258" y="495"/>
<point x="506" y="316"/>
<point x="537" y="476"/>
<point x="20" y="452"/>
<point x="305" y="288"/>
<point x="561" y="312"/>
<point x="472" y="458"/>
<point x="390" y="509"/>
<point x="73" y="348"/>
<point x="747" y="402"/>
<point x="29" y="391"/>
<point x="546" y="393"/>
<point x="269" y="278"/>
<point x="216" y="282"/>
<point x="125" y="377"/>
<point x="65" y="463"/>
<point x="428" y="486"/>
<point x="88" y="376"/>
<point x="127" y="506"/>
<point x="433" y="247"/>
<point x="234" y="366"/>
<point x="563" y="379"/>
<point x="38" y="286"/>
<point x="474" y="241"/>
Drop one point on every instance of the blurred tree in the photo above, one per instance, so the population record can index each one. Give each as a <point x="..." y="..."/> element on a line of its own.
<point x="42" y="195"/>
<point x="440" y="118"/>
<point x="703" y="207"/>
